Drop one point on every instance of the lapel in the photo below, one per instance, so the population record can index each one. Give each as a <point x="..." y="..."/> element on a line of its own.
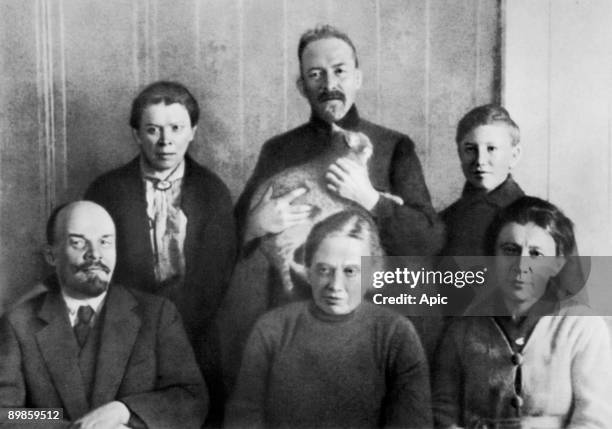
<point x="189" y="197"/>
<point x="134" y="243"/>
<point x="135" y="205"/>
<point x="193" y="203"/>
<point x="60" y="351"/>
<point x="119" y="332"/>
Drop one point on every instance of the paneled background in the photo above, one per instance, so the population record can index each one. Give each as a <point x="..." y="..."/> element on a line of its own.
<point x="558" y="84"/>
<point x="70" y="68"/>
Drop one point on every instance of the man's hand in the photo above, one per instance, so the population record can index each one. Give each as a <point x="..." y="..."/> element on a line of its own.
<point x="109" y="416"/>
<point x="350" y="180"/>
<point x="273" y="215"/>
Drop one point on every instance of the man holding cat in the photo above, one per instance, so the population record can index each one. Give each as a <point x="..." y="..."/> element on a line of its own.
<point x="391" y="187"/>
<point x="330" y="79"/>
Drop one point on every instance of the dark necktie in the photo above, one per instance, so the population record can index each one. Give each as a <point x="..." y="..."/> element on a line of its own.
<point x="81" y="329"/>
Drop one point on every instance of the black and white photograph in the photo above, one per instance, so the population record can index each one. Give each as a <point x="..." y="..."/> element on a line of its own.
<point x="306" y="214"/>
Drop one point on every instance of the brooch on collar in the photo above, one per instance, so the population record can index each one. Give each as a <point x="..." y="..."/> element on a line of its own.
<point x="163" y="185"/>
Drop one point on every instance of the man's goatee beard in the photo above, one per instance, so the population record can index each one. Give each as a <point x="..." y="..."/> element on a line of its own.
<point x="94" y="286"/>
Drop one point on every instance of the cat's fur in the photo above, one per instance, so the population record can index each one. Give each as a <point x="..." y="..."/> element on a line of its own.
<point x="281" y="249"/>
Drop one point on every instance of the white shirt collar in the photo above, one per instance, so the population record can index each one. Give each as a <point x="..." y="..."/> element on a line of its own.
<point x="74" y="304"/>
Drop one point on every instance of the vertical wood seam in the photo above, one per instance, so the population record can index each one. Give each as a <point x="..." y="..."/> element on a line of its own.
<point x="48" y="103"/>
<point x="285" y="69"/>
<point x="135" y="46"/>
<point x="40" y="113"/>
<point x="155" y="40"/>
<point x="50" y="108"/>
<point x="64" y="104"/>
<point x="478" y="53"/>
<point x="196" y="29"/>
<point x="45" y="113"/>
<point x="609" y="248"/>
<point x="548" y="102"/>
<point x="378" y="65"/>
<point x="427" y="106"/>
<point x="503" y="78"/>
<point x="609" y="165"/>
<point x="146" y="43"/>
<point x="241" y="114"/>
<point x="500" y="49"/>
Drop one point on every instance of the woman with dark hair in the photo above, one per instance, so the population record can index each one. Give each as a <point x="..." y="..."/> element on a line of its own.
<point x="333" y="361"/>
<point x="535" y="361"/>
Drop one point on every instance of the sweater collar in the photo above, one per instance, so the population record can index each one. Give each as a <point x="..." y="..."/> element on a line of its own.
<point x="350" y="121"/>
<point x="319" y="314"/>
<point x="508" y="190"/>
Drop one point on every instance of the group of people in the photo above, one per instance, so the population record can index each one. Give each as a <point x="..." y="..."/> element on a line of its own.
<point x="132" y="329"/>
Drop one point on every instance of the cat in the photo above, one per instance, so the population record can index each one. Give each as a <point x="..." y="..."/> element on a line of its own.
<point x="283" y="250"/>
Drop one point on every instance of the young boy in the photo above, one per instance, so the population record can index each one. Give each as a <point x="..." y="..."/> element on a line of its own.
<point x="488" y="147"/>
<point x="174" y="218"/>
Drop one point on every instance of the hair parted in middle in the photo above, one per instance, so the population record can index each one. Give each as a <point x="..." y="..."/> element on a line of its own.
<point x="353" y="223"/>
<point x="166" y="92"/>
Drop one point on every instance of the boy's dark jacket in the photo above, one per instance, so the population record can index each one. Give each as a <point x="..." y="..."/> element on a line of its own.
<point x="468" y="218"/>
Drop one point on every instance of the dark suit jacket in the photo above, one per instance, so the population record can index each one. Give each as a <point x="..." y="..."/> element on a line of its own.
<point x="210" y="244"/>
<point x="144" y="360"/>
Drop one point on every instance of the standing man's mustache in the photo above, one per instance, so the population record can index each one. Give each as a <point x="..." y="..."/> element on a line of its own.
<point x="331" y="95"/>
<point x="87" y="265"/>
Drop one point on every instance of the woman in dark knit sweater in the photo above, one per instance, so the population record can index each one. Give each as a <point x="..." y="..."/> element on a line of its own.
<point x="333" y="361"/>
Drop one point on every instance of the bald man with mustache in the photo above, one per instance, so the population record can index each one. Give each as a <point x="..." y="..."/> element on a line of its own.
<point x="110" y="357"/>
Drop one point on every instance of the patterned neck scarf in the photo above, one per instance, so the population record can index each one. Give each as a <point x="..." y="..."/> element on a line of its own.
<point x="167" y="223"/>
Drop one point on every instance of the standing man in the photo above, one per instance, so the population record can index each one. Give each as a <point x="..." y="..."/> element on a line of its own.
<point x="330" y="79"/>
<point x="391" y="187"/>
<point x="109" y="356"/>
<point x="176" y="234"/>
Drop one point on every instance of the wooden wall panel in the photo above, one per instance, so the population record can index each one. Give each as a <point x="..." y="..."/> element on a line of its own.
<point x="487" y="82"/>
<point x="219" y="142"/>
<point x="558" y="84"/>
<point x="402" y="85"/>
<point x="176" y="41"/>
<point x="455" y="64"/>
<point x="527" y="53"/>
<point x="100" y="84"/>
<point x="25" y="158"/>
<point x="580" y="116"/>
<point x="263" y="76"/>
<point x="73" y="68"/>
